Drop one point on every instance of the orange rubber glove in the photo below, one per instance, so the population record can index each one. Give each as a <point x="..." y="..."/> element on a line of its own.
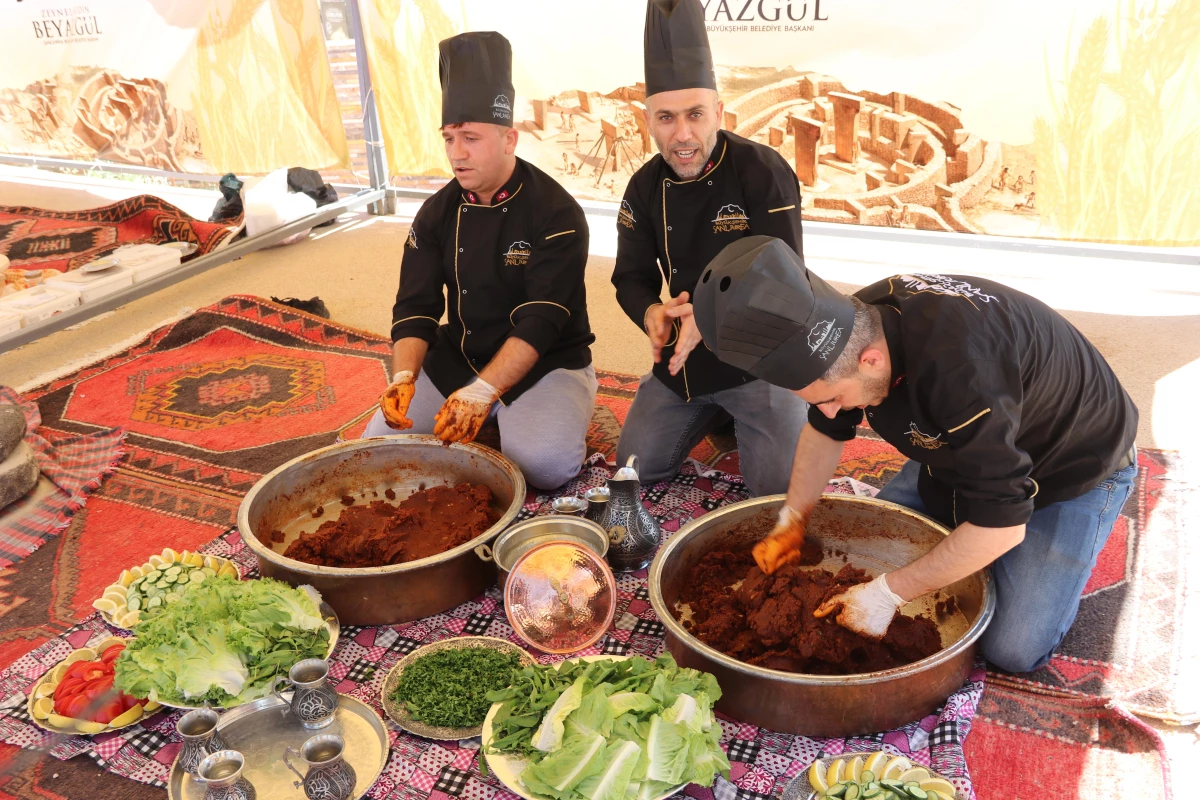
<point x="395" y="400"/>
<point x="465" y="411"/>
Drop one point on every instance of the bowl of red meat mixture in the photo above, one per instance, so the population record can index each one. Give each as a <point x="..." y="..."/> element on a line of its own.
<point x="384" y="528"/>
<point x="782" y="668"/>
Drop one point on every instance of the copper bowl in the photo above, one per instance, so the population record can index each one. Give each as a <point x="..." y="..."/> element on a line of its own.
<point x="875" y="536"/>
<point x="285" y="498"/>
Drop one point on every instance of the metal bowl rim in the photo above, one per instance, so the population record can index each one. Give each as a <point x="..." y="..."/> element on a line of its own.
<point x="545" y="519"/>
<point x="496" y="458"/>
<point x="986" y="610"/>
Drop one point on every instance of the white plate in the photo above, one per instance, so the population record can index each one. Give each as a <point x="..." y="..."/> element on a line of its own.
<point x="509" y="768"/>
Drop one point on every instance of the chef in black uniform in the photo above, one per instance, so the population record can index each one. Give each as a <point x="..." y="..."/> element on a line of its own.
<point x="705" y="189"/>
<point x="508" y="246"/>
<point x="1019" y="435"/>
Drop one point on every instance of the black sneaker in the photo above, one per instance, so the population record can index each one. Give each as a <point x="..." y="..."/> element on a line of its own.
<point x="312" y="306"/>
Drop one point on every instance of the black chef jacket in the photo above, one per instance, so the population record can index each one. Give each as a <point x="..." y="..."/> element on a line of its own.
<point x="672" y="228"/>
<point x="1006" y="404"/>
<point x="514" y="268"/>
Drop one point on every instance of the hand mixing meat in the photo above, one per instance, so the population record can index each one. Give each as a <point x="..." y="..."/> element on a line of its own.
<point x="787" y="544"/>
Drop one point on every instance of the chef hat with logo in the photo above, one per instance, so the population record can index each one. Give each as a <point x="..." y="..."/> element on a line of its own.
<point x="677" y="55"/>
<point x="760" y="310"/>
<point x="476" y="74"/>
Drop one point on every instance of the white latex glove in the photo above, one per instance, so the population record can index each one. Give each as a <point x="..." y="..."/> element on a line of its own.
<point x="396" y="399"/>
<point x="465" y="411"/>
<point x="867" y="609"/>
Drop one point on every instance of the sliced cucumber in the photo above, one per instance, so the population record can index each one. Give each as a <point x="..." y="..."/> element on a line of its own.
<point x="154" y="602"/>
<point x="197" y="577"/>
<point x="209" y="571"/>
<point x="852" y="792"/>
<point x="872" y="791"/>
<point x="917" y="793"/>
<point x="866" y="776"/>
<point x="837" y="790"/>
<point x="133" y="603"/>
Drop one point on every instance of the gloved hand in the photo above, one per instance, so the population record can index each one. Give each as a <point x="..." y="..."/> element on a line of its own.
<point x="465" y="411"/>
<point x="396" y="398"/>
<point x="783" y="545"/>
<point x="866" y="609"/>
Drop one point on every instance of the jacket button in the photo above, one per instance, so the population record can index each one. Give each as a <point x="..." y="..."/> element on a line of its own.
<point x="668" y="183"/>
<point x="674" y="270"/>
<point x="468" y="333"/>
<point x="668" y="227"/>
<point x="710" y="183"/>
<point x="464" y="291"/>
<point x="460" y="249"/>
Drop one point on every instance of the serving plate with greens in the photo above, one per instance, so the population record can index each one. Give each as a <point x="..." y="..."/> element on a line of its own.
<point x="439" y="691"/>
<point x="605" y="728"/>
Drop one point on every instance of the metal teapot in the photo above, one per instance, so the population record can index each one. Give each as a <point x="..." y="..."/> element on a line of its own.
<point x="633" y="534"/>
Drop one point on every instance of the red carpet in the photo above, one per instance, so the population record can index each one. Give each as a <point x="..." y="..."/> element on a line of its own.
<point x="213" y="401"/>
<point x="36" y="238"/>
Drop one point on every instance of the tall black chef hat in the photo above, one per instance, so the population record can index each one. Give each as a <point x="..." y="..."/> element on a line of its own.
<point x="676" y="47"/>
<point x="476" y="74"/>
<point x="760" y="310"/>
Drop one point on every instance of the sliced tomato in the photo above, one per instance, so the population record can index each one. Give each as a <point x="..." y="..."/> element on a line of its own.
<point x="108" y="712"/>
<point x="128" y="701"/>
<point x="77" y="669"/>
<point x="110" y="655"/>
<point x="69" y="686"/>
<point x="75" y="706"/>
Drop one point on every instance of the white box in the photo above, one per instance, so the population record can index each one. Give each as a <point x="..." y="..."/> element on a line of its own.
<point x="148" y="260"/>
<point x="93" y="285"/>
<point x="9" y="322"/>
<point x="39" y="303"/>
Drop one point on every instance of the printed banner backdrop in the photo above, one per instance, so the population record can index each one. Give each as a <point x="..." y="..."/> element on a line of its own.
<point x="203" y="86"/>
<point x="1073" y="121"/>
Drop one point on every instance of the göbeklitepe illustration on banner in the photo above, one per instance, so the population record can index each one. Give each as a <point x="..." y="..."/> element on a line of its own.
<point x="1071" y="121"/>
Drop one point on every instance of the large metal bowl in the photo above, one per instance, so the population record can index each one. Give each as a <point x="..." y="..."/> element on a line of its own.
<point x="876" y="536"/>
<point x="285" y="498"/>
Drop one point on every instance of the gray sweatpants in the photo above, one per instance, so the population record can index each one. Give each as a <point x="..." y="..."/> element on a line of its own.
<point x="662" y="428"/>
<point x="543" y="432"/>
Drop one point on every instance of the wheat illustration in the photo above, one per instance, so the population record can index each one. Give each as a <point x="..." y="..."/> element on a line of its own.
<point x="1116" y="161"/>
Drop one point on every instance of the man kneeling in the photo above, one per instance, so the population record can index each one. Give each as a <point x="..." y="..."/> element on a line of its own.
<point x="509" y="246"/>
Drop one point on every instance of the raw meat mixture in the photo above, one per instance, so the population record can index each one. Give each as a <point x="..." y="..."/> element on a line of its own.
<point x="768" y="620"/>
<point x="428" y="522"/>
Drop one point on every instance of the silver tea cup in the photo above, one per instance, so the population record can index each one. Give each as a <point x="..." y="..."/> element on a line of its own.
<point x="329" y="777"/>
<point x="200" y="738"/>
<point x="221" y="774"/>
<point x="314" y="701"/>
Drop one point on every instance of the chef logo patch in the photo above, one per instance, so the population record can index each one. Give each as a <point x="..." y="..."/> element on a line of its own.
<point x="411" y="242"/>
<point x="517" y="254"/>
<point x="501" y="108"/>
<point x="625" y="215"/>
<point x="823" y="338"/>
<point x="731" y="218"/>
<point x="918" y="283"/>
<point x="923" y="440"/>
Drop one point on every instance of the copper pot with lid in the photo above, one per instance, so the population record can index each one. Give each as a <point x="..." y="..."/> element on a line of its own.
<point x="875" y="536"/>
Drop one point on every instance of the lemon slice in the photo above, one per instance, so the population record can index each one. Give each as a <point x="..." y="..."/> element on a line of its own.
<point x="43" y="707"/>
<point x="228" y="570"/>
<point x="917" y="774"/>
<point x="109" y="642"/>
<point x="816" y="776"/>
<point x="45" y="689"/>
<point x="896" y="767"/>
<point x="834" y="773"/>
<point x="128" y="619"/>
<point x="88" y="728"/>
<point x="155" y="561"/>
<point x="854" y="769"/>
<point x="127" y="577"/>
<point x="212" y="562"/>
<point x="82" y="654"/>
<point x="59" y="721"/>
<point x="129" y="717"/>
<point x="116" y="588"/>
<point x="57" y="675"/>
<point x="104" y="605"/>
<point x="150" y="706"/>
<point x="169" y="556"/>
<point x="876" y="762"/>
<point x="941" y="786"/>
<point x="195" y="560"/>
<point x="147" y="568"/>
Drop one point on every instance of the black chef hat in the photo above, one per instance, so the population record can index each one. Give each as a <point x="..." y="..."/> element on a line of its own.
<point x="476" y="74"/>
<point x="676" y="47"/>
<point x="760" y="310"/>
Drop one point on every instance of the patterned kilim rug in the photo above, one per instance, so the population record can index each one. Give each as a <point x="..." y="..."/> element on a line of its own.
<point x="39" y="239"/>
<point x="217" y="399"/>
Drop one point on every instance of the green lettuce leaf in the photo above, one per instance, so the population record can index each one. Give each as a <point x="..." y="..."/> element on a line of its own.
<point x="705" y="760"/>
<point x="667" y="748"/>
<point x="620" y="758"/>
<point x="594" y="714"/>
<point x="549" y="735"/>
<point x="561" y="771"/>
<point x="638" y="702"/>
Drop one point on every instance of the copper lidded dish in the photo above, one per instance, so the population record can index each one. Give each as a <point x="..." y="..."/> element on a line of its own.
<point x="560" y="597"/>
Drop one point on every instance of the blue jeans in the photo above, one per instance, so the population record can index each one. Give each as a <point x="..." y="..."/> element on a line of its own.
<point x="662" y="428"/>
<point x="1039" y="582"/>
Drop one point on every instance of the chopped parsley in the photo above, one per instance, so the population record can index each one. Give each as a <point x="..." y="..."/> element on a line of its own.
<point x="449" y="688"/>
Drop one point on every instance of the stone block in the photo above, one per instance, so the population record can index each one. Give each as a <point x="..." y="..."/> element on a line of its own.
<point x="846" y="108"/>
<point x="903" y="170"/>
<point x="539" y="114"/>
<point x="896" y="126"/>
<point x="731" y="120"/>
<point x="585" y="100"/>
<point x="12" y="429"/>
<point x="18" y="474"/>
<point x="823" y="109"/>
<point x="807" y="133"/>
<point x="775" y="135"/>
